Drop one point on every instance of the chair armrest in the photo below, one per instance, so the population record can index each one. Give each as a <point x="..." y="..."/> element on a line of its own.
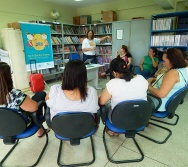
<point x="103" y="113"/>
<point x="97" y="115"/>
<point x="39" y="119"/>
<point x="155" y="101"/>
<point x="48" y="117"/>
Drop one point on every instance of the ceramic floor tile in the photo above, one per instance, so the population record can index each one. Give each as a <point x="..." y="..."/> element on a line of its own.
<point x="124" y="154"/>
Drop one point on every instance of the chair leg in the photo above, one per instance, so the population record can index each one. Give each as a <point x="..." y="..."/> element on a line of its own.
<point x="122" y="161"/>
<point x="156" y="141"/>
<point x="10" y="151"/>
<point x="6" y="156"/>
<point x="44" y="148"/>
<point x="175" y="123"/>
<point x="80" y="164"/>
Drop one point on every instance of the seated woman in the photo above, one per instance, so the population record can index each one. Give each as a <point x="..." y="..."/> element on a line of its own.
<point x="174" y="79"/>
<point x="124" y="54"/>
<point x="16" y="99"/>
<point x="148" y="63"/>
<point x="125" y="86"/>
<point x="73" y="94"/>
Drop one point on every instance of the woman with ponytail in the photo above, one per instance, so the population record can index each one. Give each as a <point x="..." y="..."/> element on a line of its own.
<point x="125" y="86"/>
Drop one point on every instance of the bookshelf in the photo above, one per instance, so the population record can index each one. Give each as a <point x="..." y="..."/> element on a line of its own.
<point x="73" y="35"/>
<point x="167" y="31"/>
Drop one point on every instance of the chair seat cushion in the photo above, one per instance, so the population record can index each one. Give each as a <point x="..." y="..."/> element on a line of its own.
<point x="159" y="114"/>
<point x="113" y="128"/>
<point x="89" y="134"/>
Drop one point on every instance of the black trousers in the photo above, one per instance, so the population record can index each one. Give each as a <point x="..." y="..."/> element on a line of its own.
<point x="38" y="97"/>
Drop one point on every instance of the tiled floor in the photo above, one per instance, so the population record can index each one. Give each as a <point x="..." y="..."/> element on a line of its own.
<point x="174" y="153"/>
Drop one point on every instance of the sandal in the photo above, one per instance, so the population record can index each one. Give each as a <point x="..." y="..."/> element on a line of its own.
<point x="110" y="133"/>
<point x="47" y="130"/>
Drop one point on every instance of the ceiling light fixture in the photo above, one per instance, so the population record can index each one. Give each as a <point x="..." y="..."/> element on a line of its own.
<point x="77" y="0"/>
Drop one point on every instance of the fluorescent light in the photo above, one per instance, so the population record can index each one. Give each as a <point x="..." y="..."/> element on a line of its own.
<point x="77" y="0"/>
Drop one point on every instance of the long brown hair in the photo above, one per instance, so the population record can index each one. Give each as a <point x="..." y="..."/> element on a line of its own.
<point x="75" y="76"/>
<point x="6" y="84"/>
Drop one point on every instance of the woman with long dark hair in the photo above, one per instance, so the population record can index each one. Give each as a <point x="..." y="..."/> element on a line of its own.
<point x="15" y="98"/>
<point x="73" y="94"/>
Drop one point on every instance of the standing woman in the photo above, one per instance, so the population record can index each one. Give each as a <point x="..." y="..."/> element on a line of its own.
<point x="89" y="46"/>
<point x="16" y="99"/>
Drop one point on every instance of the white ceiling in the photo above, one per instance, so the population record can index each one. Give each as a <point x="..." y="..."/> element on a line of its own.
<point x="81" y="3"/>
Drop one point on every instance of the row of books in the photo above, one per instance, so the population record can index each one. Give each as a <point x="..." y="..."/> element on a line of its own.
<point x="162" y="24"/>
<point x="56" y="41"/>
<point x="104" y="49"/>
<point x="70" y="30"/>
<point x="83" y="30"/>
<point x="103" y="29"/>
<point x="71" y="39"/>
<point x="57" y="49"/>
<point x="169" y="40"/>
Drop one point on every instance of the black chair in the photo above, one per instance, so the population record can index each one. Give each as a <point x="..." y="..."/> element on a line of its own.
<point x="171" y="106"/>
<point x="13" y="126"/>
<point x="127" y="118"/>
<point x="73" y="126"/>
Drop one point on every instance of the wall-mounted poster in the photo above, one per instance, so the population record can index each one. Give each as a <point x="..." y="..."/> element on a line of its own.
<point x="37" y="45"/>
<point x="119" y="34"/>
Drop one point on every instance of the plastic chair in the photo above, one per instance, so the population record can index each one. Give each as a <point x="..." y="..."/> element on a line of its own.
<point x="74" y="56"/>
<point x="128" y="117"/>
<point x="171" y="107"/>
<point x="73" y="126"/>
<point x="13" y="127"/>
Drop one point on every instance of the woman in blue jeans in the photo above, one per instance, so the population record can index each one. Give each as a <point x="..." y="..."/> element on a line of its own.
<point x="89" y="46"/>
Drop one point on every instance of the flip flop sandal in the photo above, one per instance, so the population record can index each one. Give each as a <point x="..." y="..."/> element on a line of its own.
<point x="47" y="130"/>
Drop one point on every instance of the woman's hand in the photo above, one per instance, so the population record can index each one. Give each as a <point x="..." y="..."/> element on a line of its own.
<point x="150" y="81"/>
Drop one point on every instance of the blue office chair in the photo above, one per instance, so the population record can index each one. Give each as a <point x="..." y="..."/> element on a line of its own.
<point x="171" y="106"/>
<point x="74" y="56"/>
<point x="13" y="127"/>
<point x="128" y="117"/>
<point x="73" y="126"/>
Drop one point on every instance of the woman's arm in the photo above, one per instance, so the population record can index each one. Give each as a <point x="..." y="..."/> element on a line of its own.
<point x="169" y="80"/>
<point x="155" y="64"/>
<point x="130" y="61"/>
<point x="88" y="49"/>
<point x="103" y="38"/>
<point x="141" y="63"/>
<point x="29" y="105"/>
<point x="105" y="97"/>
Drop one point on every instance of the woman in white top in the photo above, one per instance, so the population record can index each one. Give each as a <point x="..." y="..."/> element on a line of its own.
<point x="125" y="86"/>
<point x="73" y="95"/>
<point x="89" y="46"/>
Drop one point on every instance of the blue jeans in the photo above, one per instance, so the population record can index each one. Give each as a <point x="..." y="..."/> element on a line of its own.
<point x="94" y="57"/>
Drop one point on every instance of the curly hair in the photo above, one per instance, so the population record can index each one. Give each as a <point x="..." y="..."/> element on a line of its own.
<point x="176" y="58"/>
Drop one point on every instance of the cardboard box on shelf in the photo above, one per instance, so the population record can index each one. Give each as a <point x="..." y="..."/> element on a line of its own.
<point x="109" y="16"/>
<point x="85" y="19"/>
<point x="76" y="20"/>
<point x="14" y="25"/>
